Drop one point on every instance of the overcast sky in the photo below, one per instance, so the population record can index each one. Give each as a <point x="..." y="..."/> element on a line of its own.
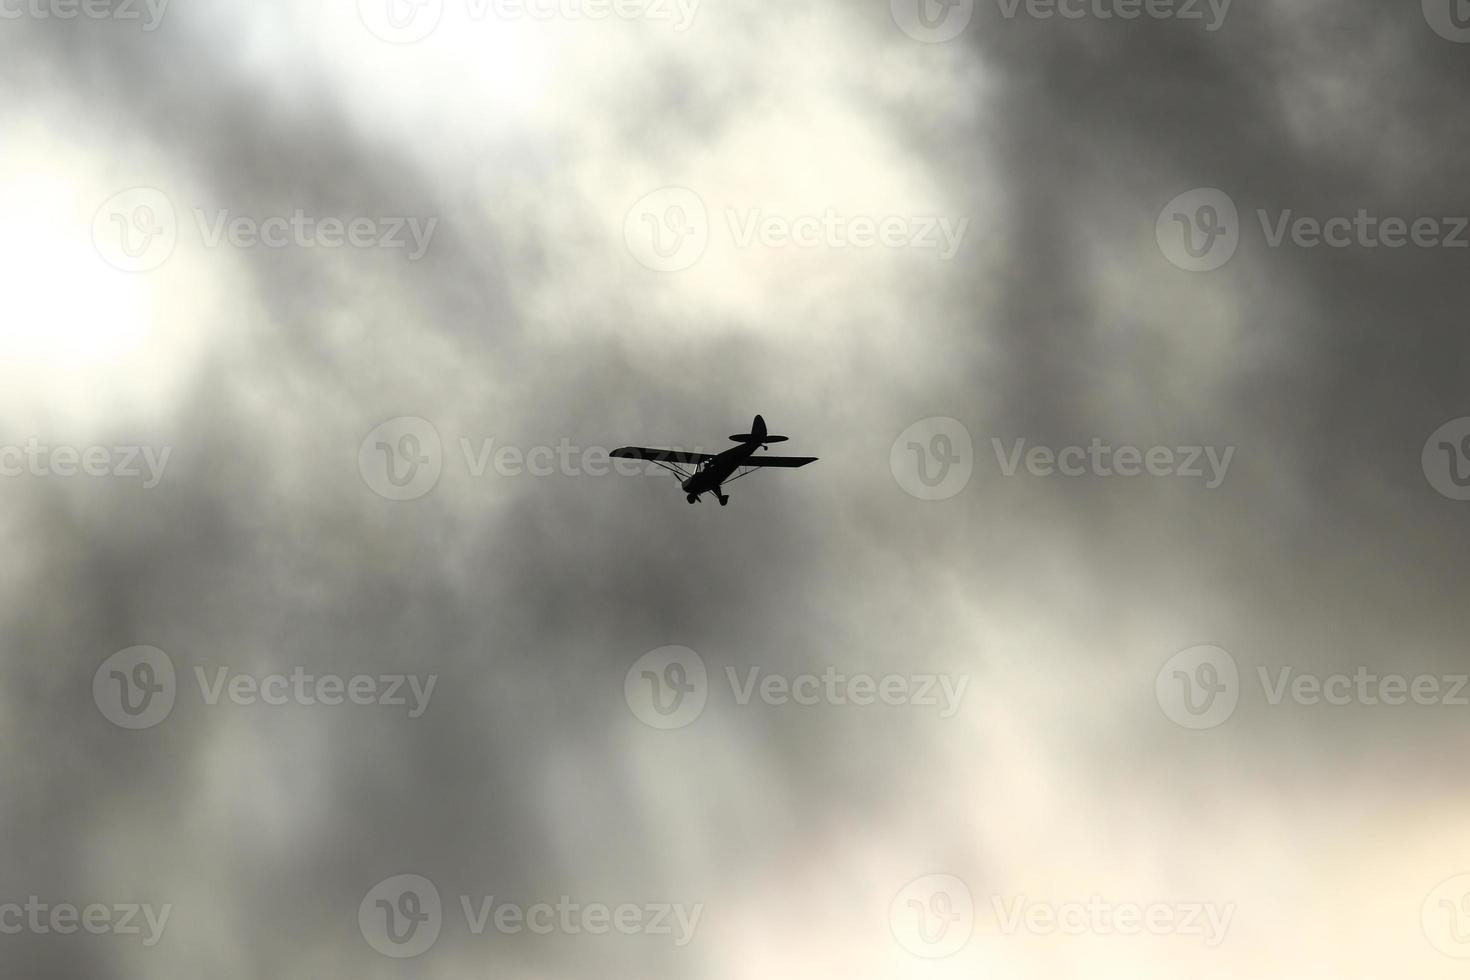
<point x="1119" y="630"/>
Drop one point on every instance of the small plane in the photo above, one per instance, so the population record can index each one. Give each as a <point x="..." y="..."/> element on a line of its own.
<point x="711" y="472"/>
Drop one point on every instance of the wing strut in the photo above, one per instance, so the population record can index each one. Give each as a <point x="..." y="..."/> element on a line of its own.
<point x="672" y="468"/>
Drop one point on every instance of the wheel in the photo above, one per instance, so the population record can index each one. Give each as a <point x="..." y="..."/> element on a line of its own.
<point x="724" y="501"/>
<point x="691" y="498"/>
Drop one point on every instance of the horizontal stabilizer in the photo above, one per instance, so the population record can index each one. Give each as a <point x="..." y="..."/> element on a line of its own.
<point x="779" y="461"/>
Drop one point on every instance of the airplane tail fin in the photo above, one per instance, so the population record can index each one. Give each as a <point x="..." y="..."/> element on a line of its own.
<point x="757" y="434"/>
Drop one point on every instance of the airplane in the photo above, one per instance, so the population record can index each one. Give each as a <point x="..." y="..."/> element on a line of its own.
<point x="711" y="472"/>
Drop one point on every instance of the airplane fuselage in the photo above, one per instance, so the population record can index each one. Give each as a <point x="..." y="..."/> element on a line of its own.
<point x="712" y="474"/>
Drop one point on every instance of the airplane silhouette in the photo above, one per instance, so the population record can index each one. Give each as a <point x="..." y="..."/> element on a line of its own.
<point x="711" y="472"/>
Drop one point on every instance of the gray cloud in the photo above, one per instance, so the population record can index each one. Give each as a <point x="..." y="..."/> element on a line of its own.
<point x="529" y="322"/>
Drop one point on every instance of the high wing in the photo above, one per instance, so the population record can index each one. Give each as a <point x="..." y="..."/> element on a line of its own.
<point x="664" y="455"/>
<point x="776" y="460"/>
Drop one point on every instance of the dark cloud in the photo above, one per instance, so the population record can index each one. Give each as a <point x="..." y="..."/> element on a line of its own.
<point x="530" y="597"/>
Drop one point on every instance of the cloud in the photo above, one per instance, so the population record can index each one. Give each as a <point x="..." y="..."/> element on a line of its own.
<point x="530" y="321"/>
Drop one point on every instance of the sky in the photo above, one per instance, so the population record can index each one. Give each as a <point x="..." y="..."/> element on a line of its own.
<point x="1118" y="630"/>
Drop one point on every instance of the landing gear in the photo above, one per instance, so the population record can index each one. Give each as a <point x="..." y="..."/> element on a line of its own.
<point x="724" y="499"/>
<point x="692" y="499"/>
